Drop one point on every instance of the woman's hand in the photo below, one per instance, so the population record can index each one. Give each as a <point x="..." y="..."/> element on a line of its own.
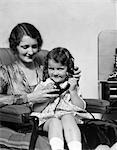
<point x="43" y="94"/>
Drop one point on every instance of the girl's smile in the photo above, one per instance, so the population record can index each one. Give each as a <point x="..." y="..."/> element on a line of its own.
<point x="56" y="71"/>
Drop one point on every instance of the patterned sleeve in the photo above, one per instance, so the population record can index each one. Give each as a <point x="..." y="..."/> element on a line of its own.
<point x="5" y="86"/>
<point x="3" y="80"/>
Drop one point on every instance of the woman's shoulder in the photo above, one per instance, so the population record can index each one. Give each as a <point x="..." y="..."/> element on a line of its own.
<point x="5" y="71"/>
<point x="12" y="67"/>
<point x="3" y="68"/>
<point x="8" y="69"/>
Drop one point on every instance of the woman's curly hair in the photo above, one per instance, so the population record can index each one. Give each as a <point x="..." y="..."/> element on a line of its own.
<point x="19" y="31"/>
<point x="59" y="55"/>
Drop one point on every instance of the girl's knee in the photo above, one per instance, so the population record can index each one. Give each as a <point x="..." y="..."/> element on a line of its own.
<point x="55" y="122"/>
<point x="69" y="118"/>
<point x="55" y="129"/>
<point x="71" y="129"/>
<point x="52" y="123"/>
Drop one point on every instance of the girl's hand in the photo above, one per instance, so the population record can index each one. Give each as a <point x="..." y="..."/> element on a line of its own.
<point x="73" y="84"/>
<point x="77" y="73"/>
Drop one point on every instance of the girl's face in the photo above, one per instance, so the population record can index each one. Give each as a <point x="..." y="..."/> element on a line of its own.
<point x="56" y="71"/>
<point x="27" y="49"/>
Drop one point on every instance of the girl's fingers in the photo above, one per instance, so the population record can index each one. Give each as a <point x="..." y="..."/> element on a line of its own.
<point x="77" y="71"/>
<point x="76" y="68"/>
<point x="77" y="76"/>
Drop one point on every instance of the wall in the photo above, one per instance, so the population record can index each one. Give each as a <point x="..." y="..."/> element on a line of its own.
<point x="74" y="24"/>
<point x="107" y="45"/>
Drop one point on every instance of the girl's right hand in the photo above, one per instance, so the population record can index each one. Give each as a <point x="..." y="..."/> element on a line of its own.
<point x="77" y="73"/>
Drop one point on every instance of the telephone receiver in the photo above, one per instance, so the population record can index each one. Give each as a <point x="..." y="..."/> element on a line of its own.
<point x="61" y="90"/>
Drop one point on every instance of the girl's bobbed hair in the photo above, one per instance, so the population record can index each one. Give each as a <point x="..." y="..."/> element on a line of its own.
<point x="59" y="55"/>
<point x="19" y="31"/>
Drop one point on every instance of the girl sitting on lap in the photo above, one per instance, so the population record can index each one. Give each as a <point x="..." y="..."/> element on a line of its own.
<point x="60" y="113"/>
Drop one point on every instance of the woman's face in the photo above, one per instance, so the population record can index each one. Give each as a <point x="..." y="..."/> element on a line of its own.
<point x="27" y="49"/>
<point x="56" y="71"/>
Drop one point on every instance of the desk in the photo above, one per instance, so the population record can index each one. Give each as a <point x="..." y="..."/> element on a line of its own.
<point x="109" y="90"/>
<point x="109" y="93"/>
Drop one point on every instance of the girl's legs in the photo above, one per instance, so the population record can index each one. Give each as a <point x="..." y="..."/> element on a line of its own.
<point x="114" y="147"/>
<point x="72" y="132"/>
<point x="55" y="133"/>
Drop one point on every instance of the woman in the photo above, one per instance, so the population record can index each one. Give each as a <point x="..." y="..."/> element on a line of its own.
<point x="21" y="79"/>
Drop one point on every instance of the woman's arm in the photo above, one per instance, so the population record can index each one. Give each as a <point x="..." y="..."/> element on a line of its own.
<point x="6" y="96"/>
<point x="39" y="95"/>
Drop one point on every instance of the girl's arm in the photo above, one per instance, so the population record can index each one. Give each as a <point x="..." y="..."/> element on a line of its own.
<point x="75" y="94"/>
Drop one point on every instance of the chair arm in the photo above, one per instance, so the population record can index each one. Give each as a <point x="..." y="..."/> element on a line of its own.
<point x="96" y="105"/>
<point x="35" y="122"/>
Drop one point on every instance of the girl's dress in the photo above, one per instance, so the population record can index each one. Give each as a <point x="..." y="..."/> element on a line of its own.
<point x="60" y="106"/>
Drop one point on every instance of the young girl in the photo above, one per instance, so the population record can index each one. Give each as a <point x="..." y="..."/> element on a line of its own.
<point x="60" y="114"/>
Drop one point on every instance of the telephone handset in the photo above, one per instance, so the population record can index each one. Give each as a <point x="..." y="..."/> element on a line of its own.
<point x="62" y="88"/>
